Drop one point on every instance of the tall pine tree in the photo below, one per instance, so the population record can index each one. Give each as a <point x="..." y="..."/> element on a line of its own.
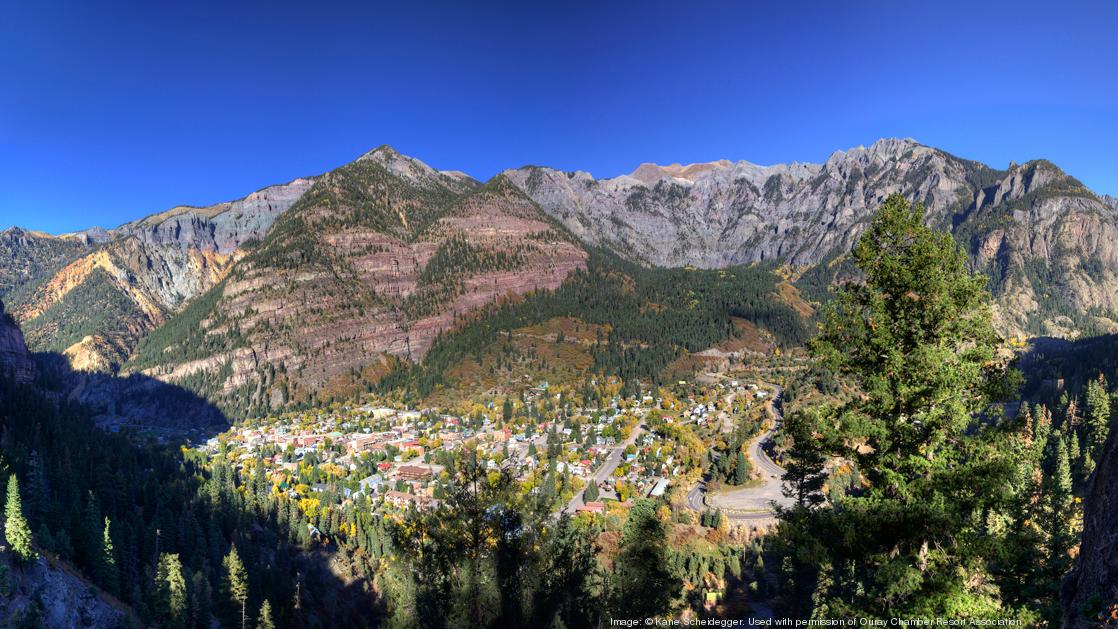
<point x="16" y="529"/>
<point x="236" y="582"/>
<point x="915" y="336"/>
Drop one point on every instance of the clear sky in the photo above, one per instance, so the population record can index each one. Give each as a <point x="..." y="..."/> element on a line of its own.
<point x="110" y="111"/>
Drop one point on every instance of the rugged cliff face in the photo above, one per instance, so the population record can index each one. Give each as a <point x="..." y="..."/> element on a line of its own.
<point x="1111" y="201"/>
<point x="15" y="361"/>
<point x="56" y="597"/>
<point x="1092" y="587"/>
<point x="95" y="295"/>
<point x="722" y="213"/>
<point x="377" y="259"/>
<point x="27" y="257"/>
<point x="220" y="228"/>
<point x="1044" y="239"/>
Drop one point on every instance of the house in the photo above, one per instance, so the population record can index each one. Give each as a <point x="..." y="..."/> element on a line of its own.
<point x="414" y="473"/>
<point x="371" y="484"/>
<point x="363" y="443"/>
<point x="402" y="500"/>
<point x="592" y="507"/>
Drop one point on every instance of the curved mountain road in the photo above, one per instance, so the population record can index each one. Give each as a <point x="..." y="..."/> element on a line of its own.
<point x="750" y="503"/>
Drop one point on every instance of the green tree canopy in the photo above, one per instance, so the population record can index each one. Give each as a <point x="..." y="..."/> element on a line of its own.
<point x="170" y="591"/>
<point x="16" y="529"/>
<point x="236" y="581"/>
<point x="915" y="336"/>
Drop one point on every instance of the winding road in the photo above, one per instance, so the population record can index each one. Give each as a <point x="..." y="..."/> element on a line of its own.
<point x="750" y="503"/>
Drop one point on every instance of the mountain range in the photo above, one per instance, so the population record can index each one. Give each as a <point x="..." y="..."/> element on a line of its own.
<point x="321" y="286"/>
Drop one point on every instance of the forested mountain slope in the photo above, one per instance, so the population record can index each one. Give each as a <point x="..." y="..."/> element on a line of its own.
<point x="137" y="518"/>
<point x="318" y="286"/>
<point x="377" y="259"/>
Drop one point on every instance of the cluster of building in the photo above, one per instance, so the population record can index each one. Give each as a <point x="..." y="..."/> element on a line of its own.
<point x="398" y="457"/>
<point x="393" y="455"/>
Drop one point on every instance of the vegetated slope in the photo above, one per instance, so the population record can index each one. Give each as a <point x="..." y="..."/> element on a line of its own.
<point x="95" y="295"/>
<point x="377" y="259"/>
<point x="27" y="256"/>
<point x="111" y="506"/>
<point x="1044" y="239"/>
<point x="380" y="257"/>
<point x="643" y="319"/>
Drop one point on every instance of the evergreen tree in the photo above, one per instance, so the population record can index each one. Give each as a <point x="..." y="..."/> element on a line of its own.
<point x="591" y="493"/>
<point x="1057" y="489"/>
<point x="170" y="591"/>
<point x="16" y="529"/>
<point x="741" y="469"/>
<point x="1098" y="417"/>
<point x="916" y="337"/>
<point x="265" y="620"/>
<point x="236" y="581"/>
<point x="105" y="570"/>
<point x="571" y="580"/>
<point x="804" y="465"/>
<point x="644" y="581"/>
<point x="38" y="502"/>
<point x="200" y="601"/>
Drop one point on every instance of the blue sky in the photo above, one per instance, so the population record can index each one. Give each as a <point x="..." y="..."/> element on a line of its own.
<point x="110" y="111"/>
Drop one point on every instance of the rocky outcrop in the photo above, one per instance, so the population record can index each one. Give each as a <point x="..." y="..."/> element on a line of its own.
<point x="1092" y="587"/>
<point x="220" y="228"/>
<point x="26" y="257"/>
<point x="1111" y="201"/>
<point x="101" y="304"/>
<point x="723" y="213"/>
<point x="106" y="290"/>
<point x="15" y="361"/>
<point x="1046" y="241"/>
<point x="51" y="594"/>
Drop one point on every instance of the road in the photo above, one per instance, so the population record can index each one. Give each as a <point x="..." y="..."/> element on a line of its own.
<point x="749" y="503"/>
<point x="610" y="464"/>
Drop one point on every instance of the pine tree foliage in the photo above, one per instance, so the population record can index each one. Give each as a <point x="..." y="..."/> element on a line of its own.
<point x="170" y="591"/>
<point x="16" y="529"/>
<point x="236" y="582"/>
<point x="265" y="621"/>
<point x="912" y="539"/>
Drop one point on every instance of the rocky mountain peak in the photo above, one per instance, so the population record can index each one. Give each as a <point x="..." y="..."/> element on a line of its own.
<point x="1110" y="201"/>
<point x="413" y="170"/>
<point x="882" y="151"/>
<point x="649" y="173"/>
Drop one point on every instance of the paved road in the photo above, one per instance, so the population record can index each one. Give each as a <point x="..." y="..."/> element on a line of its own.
<point x="749" y="503"/>
<point x="610" y="464"/>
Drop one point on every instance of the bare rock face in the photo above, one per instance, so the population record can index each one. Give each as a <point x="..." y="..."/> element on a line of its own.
<point x="106" y="290"/>
<point x="27" y="256"/>
<point x="723" y="213"/>
<point x="1092" y="586"/>
<point x="67" y="599"/>
<point x="15" y="361"/>
<point x="220" y="228"/>
<point x="1111" y="201"/>
<point x="1045" y="240"/>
